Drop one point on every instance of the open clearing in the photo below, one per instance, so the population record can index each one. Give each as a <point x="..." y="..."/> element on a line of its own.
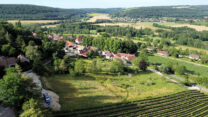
<point x="196" y="27"/>
<point x="92" y="90"/>
<point x="135" y="25"/>
<point x="97" y="16"/>
<point x="33" y="21"/>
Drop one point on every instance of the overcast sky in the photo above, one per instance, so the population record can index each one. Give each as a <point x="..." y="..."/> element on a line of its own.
<point x="105" y="3"/>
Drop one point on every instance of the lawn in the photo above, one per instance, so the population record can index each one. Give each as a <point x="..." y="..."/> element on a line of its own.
<point x="92" y="90"/>
<point x="96" y="16"/>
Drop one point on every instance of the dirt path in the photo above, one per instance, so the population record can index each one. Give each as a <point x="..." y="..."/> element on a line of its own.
<point x="54" y="105"/>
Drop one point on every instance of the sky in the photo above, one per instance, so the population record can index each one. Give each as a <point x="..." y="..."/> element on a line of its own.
<point x="105" y="3"/>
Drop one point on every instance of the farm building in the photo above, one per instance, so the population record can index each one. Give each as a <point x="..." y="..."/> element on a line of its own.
<point x="163" y="53"/>
<point x="194" y="56"/>
<point x="79" y="39"/>
<point x="8" y="62"/>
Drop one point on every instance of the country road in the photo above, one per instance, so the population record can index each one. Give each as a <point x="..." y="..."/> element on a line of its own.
<point x="196" y="87"/>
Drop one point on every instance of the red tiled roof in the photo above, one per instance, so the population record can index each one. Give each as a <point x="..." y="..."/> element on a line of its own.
<point x="92" y="48"/>
<point x="69" y="43"/>
<point x="194" y="56"/>
<point x="79" y="38"/>
<point x="127" y="56"/>
<point x="163" y="52"/>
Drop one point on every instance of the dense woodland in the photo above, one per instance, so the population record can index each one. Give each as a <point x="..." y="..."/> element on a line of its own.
<point x="32" y="12"/>
<point x="164" y="11"/>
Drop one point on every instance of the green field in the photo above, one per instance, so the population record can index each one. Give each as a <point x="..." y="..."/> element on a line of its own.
<point x="197" y="69"/>
<point x="183" y="104"/>
<point x="92" y="90"/>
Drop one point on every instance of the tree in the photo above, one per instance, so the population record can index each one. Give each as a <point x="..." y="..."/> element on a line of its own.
<point x="180" y="69"/>
<point x="38" y="67"/>
<point x="117" y="66"/>
<point x="143" y="65"/>
<point x="15" y="88"/>
<point x="32" y="52"/>
<point x="2" y="72"/>
<point x="33" y="108"/>
<point x="79" y="67"/>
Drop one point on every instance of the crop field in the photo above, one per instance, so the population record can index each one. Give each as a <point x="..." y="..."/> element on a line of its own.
<point x="135" y="25"/>
<point x="196" y="27"/>
<point x="184" y="104"/>
<point x="91" y="90"/>
<point x="33" y="21"/>
<point x="97" y="16"/>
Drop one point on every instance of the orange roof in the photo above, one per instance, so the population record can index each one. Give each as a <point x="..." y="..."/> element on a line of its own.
<point x="69" y="43"/>
<point x="128" y="56"/>
<point x="79" y="38"/>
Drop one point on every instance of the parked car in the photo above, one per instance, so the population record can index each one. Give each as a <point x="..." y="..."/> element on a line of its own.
<point x="47" y="98"/>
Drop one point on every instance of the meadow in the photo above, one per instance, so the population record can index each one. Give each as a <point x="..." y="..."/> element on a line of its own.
<point x="91" y="90"/>
<point x="196" y="69"/>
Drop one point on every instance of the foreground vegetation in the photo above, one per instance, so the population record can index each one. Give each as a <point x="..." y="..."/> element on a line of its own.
<point x="92" y="90"/>
<point x="186" y="103"/>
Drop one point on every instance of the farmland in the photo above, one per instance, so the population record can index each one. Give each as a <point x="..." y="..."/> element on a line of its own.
<point x="96" y="16"/>
<point x="92" y="90"/>
<point x="186" y="103"/>
<point x="33" y="21"/>
<point x="135" y="25"/>
<point x="196" y="27"/>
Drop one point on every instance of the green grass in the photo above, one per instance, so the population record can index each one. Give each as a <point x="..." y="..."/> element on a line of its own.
<point x="92" y="90"/>
<point x="202" y="70"/>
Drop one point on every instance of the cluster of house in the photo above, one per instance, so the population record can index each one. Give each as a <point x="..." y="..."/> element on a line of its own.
<point x="191" y="56"/>
<point x="12" y="61"/>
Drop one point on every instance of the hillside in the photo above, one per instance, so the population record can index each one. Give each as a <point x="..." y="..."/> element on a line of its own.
<point x="164" y="11"/>
<point x="33" y="12"/>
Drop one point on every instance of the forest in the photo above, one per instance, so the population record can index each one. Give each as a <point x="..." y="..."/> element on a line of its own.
<point x="164" y="11"/>
<point x="33" y="12"/>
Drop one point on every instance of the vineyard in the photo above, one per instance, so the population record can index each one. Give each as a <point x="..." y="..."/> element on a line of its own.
<point x="184" y="104"/>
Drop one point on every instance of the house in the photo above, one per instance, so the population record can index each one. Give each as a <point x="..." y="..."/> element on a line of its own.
<point x="107" y="54"/>
<point x="8" y="62"/>
<point x="163" y="53"/>
<point x="124" y="56"/>
<point x="79" y="39"/>
<point x="22" y="58"/>
<point x="150" y="48"/>
<point x="92" y="48"/>
<point x="194" y="56"/>
<point x="81" y="49"/>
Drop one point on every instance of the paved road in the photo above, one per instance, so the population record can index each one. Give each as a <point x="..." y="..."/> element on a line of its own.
<point x="196" y="87"/>
<point x="6" y="112"/>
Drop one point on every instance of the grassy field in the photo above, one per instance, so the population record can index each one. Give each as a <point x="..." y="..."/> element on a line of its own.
<point x="33" y="21"/>
<point x="92" y="90"/>
<point x="202" y="70"/>
<point x="191" y="48"/>
<point x="135" y="25"/>
<point x="96" y="16"/>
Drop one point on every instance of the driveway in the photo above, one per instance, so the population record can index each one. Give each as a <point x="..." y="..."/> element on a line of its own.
<point x="54" y="105"/>
<point x="6" y="112"/>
